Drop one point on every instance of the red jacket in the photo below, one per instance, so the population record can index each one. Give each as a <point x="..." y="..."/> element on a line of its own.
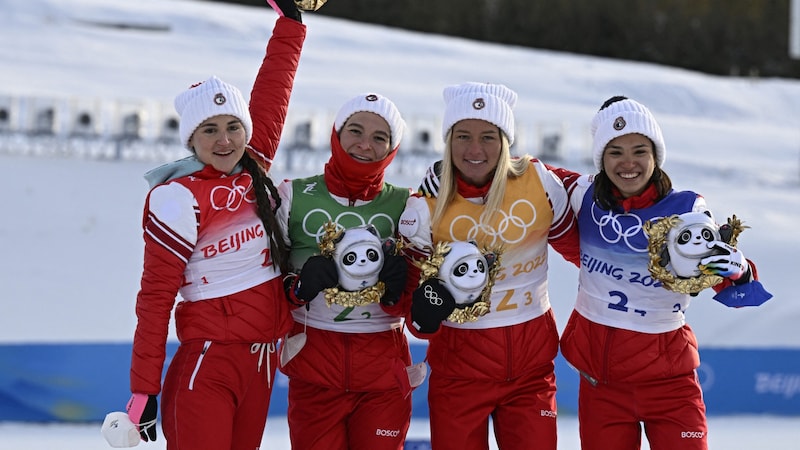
<point x="256" y="313"/>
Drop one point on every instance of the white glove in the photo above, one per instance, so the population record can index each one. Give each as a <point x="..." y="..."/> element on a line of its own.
<point x="730" y="263"/>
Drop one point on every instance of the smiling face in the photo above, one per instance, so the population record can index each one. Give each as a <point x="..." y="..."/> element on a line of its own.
<point x="629" y="162"/>
<point x="475" y="150"/>
<point x="219" y="141"/>
<point x="366" y="137"/>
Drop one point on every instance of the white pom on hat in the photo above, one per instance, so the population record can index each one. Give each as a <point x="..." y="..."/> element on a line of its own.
<point x="210" y="98"/>
<point x="490" y="102"/>
<point x="623" y="117"/>
<point x="377" y="104"/>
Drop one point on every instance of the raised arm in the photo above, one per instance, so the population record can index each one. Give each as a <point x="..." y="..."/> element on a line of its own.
<point x="269" y="99"/>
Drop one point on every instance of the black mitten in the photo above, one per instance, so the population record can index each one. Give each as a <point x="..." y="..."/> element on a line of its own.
<point x="431" y="303"/>
<point x="393" y="274"/>
<point x="318" y="273"/>
<point x="286" y="8"/>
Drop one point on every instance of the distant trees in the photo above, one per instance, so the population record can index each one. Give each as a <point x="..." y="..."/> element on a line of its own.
<point x="724" y="37"/>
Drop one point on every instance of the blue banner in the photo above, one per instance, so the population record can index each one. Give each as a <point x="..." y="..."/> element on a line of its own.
<point x="83" y="382"/>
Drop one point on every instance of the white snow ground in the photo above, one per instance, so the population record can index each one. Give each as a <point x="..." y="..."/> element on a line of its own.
<point x="725" y="433"/>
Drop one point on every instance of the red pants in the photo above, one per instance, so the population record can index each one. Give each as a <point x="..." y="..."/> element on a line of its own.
<point x="217" y="399"/>
<point x="324" y="418"/>
<point x="672" y="411"/>
<point x="523" y="412"/>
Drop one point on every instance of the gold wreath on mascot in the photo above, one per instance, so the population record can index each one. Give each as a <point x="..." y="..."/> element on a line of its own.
<point x="359" y="254"/>
<point x="467" y="272"/>
<point x="679" y="244"/>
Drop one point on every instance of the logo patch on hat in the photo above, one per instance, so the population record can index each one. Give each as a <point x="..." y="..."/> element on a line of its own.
<point x="220" y="99"/>
<point x="371" y="98"/>
<point x="619" y="123"/>
<point x="479" y="103"/>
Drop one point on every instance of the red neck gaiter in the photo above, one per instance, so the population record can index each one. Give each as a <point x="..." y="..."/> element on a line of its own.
<point x="467" y="190"/>
<point x="352" y="179"/>
<point x="647" y="198"/>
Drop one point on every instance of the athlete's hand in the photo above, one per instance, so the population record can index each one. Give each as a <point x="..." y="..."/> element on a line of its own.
<point x="431" y="181"/>
<point x="286" y="8"/>
<point x="729" y="263"/>
<point x="142" y="410"/>
<point x="393" y="274"/>
<point x="431" y="303"/>
<point x="318" y="273"/>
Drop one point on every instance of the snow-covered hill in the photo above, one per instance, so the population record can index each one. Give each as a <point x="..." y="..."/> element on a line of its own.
<point x="71" y="236"/>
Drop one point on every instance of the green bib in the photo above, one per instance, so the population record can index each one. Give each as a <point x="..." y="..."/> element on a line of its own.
<point x="313" y="206"/>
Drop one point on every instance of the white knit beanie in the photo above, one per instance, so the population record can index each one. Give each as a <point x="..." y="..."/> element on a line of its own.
<point x="210" y="98"/>
<point x="490" y="102"/>
<point x="377" y="104"/>
<point x="622" y="117"/>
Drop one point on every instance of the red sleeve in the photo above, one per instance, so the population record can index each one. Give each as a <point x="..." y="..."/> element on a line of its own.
<point x="567" y="242"/>
<point x="161" y="278"/>
<point x="269" y="99"/>
<point x="566" y="176"/>
<point x="564" y="236"/>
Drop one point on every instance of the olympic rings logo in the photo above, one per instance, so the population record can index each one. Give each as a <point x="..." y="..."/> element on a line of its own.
<point x="314" y="222"/>
<point x="511" y="228"/>
<point x="432" y="296"/>
<point x="612" y="229"/>
<point x="231" y="197"/>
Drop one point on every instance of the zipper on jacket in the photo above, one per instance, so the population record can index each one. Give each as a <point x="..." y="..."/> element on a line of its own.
<point x="206" y="345"/>
<point x="589" y="378"/>
<point x="585" y="375"/>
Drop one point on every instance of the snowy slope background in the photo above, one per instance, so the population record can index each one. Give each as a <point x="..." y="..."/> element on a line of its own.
<point x="71" y="233"/>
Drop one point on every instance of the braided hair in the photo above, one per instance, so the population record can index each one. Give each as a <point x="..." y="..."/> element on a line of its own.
<point x="264" y="197"/>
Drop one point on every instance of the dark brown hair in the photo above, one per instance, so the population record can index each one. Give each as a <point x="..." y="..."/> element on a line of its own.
<point x="604" y="193"/>
<point x="265" y="211"/>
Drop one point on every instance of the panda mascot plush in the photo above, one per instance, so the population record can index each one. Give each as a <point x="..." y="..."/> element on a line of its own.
<point x="690" y="252"/>
<point x="359" y="256"/>
<point x="679" y="243"/>
<point x="687" y="243"/>
<point x="456" y="282"/>
<point x="464" y="272"/>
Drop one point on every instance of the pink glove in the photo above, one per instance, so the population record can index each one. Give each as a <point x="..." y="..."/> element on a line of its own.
<point x="142" y="410"/>
<point x="730" y="263"/>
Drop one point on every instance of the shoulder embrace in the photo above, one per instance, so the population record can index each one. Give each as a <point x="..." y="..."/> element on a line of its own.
<point x="414" y="223"/>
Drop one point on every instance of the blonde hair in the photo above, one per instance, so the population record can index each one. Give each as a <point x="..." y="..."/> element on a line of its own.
<point x="507" y="167"/>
